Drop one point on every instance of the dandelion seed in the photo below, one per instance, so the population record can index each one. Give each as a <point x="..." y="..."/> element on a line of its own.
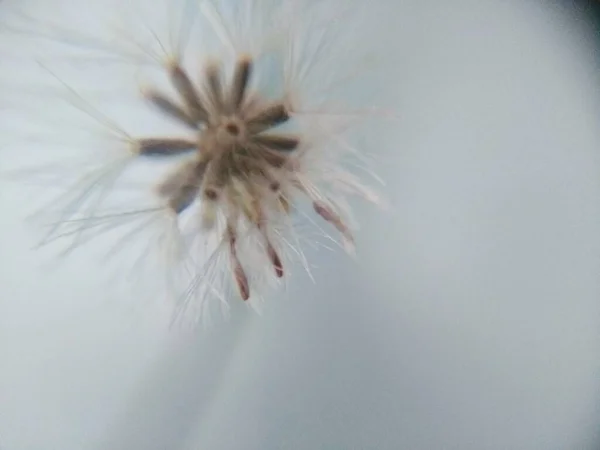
<point x="169" y="108"/>
<point x="330" y="216"/>
<point x="257" y="143"/>
<point x="268" y="117"/>
<point x="182" y="187"/>
<point x="164" y="146"/>
<point x="240" y="84"/>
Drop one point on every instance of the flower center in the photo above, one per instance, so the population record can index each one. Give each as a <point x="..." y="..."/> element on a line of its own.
<point x="231" y="132"/>
<point x="233" y="129"/>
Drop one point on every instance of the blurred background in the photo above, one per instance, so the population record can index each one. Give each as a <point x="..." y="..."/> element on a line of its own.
<point x="469" y="320"/>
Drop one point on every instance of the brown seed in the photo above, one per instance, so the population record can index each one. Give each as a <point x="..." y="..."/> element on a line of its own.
<point x="169" y="108"/>
<point x="239" y="274"/>
<point x="275" y="260"/>
<point x="271" y="252"/>
<point x="276" y="142"/>
<point x="165" y="146"/>
<point x="268" y="117"/>
<point x="181" y="188"/>
<point x="214" y="86"/>
<point x="185" y="196"/>
<point x="242" y="281"/>
<point x="184" y="86"/>
<point x="271" y="157"/>
<point x="239" y="85"/>
<point x="330" y="216"/>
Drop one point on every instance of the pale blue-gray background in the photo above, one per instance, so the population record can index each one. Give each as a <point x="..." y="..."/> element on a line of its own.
<point x="471" y="319"/>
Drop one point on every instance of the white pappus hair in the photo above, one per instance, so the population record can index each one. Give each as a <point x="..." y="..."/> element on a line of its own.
<point x="203" y="128"/>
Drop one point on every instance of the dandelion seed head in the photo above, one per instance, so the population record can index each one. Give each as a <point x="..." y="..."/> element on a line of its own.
<point x="249" y="84"/>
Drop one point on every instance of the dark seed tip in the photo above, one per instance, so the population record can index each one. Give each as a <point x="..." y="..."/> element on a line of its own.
<point x="210" y="194"/>
<point x="233" y="129"/>
<point x="279" y="271"/>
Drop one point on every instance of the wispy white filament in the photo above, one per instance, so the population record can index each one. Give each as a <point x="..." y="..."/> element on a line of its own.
<point x="303" y="56"/>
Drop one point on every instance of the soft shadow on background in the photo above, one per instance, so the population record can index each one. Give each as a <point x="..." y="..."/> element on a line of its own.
<point x="470" y="319"/>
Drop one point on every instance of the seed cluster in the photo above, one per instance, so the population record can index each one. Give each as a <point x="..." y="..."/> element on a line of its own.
<point x="241" y="166"/>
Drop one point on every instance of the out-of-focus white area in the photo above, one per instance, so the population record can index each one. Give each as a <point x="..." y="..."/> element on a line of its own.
<point x="470" y="320"/>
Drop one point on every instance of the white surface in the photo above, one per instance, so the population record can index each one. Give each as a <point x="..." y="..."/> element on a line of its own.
<point x="471" y="319"/>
